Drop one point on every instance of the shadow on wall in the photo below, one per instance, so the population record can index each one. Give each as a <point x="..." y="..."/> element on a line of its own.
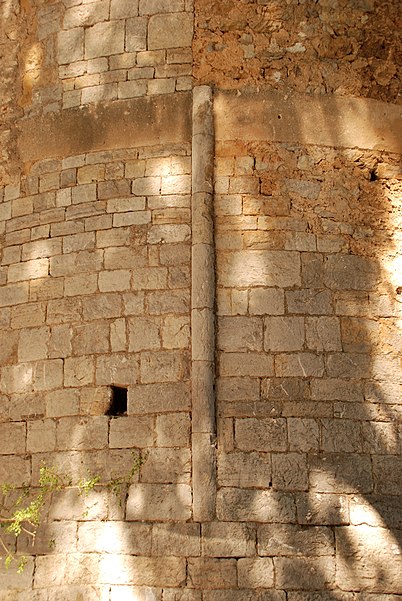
<point x="334" y="443"/>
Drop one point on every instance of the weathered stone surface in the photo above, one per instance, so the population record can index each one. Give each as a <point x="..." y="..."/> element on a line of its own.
<point x="162" y="502"/>
<point x="170" y="31"/>
<point x="206" y="573"/>
<point x="286" y="540"/>
<point x="297" y="573"/>
<point x="236" y="504"/>
<point x="260" y="268"/>
<point x="227" y="540"/>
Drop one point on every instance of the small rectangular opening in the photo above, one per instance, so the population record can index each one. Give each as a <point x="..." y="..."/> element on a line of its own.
<point x="118" y="401"/>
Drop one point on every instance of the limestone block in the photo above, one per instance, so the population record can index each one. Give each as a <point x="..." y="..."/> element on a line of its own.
<point x="79" y="371"/>
<point x="103" y="306"/>
<point x="133" y="303"/>
<point x="103" y="39"/>
<point x="131" y="89"/>
<point x="83" y="193"/>
<point x="349" y="272"/>
<point x="61" y="534"/>
<point x="118" y="335"/>
<point x="336" y="473"/>
<point x="261" y="434"/>
<point x="142" y="571"/>
<point x="91" y="338"/>
<point x="244" y="470"/>
<point x="242" y="505"/>
<point x="312" y="265"/>
<point x="163" y="502"/>
<point x="132" y="218"/>
<point x="9" y="577"/>
<point x="116" y="280"/>
<point x="380" y="438"/>
<point x="373" y="510"/>
<point x="309" y="302"/>
<point x="289" y="540"/>
<point x="48" y="374"/>
<point x="179" y="539"/>
<point x="151" y="7"/>
<point x="150" y="278"/>
<point x="238" y="389"/>
<point x="76" y="285"/>
<point x="70" y="45"/>
<point x="266" y="301"/>
<point x="100" y="222"/>
<point x="299" y="573"/>
<point x="113" y="237"/>
<point x="363" y="553"/>
<point x="131" y="432"/>
<point x="136" y="34"/>
<point x="170" y="31"/>
<point x="336" y="389"/>
<point x="125" y="593"/>
<point x="40" y="249"/>
<point x="12" y="438"/>
<point x="299" y="365"/>
<point x="341" y="436"/>
<point x="323" y="334"/>
<point x="120" y="9"/>
<point x="114" y="537"/>
<point x="60" y="403"/>
<point x="175" y="332"/>
<point x="321" y="508"/>
<point x="183" y="594"/>
<point x="82" y="433"/>
<point x="256" y="573"/>
<point x="246" y="364"/>
<point x="326" y="596"/>
<point x="143" y="334"/>
<point x="9" y="346"/>
<point x="387" y="474"/>
<point x="176" y="184"/>
<point x="78" y="242"/>
<point x="167" y="302"/>
<point x="86" y="14"/>
<point x="225" y="539"/>
<point x="240" y="333"/>
<point x="164" y="366"/>
<point x="173" y="430"/>
<point x="28" y="270"/>
<point x="159" y="398"/>
<point x="161" y="86"/>
<point x="81" y="262"/>
<point x="284" y="333"/>
<point x="206" y="573"/>
<point x="260" y="268"/>
<point x="169" y="234"/>
<point x="289" y="471"/>
<point x="15" y="470"/>
<point x="303" y="434"/>
<point x="349" y="365"/>
<point x="41" y="436"/>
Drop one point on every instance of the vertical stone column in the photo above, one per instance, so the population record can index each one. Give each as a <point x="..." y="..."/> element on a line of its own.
<point x="202" y="308"/>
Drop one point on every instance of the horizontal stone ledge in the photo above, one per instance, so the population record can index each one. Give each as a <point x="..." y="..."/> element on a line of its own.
<point x="336" y="121"/>
<point x="147" y="121"/>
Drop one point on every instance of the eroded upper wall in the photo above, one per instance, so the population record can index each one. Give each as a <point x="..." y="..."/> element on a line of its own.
<point x="74" y="52"/>
<point x="319" y="47"/>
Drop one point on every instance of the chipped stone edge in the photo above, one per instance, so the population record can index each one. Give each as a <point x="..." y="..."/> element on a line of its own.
<point x="202" y="308"/>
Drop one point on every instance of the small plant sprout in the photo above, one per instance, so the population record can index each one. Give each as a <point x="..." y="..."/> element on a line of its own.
<point x="29" y="510"/>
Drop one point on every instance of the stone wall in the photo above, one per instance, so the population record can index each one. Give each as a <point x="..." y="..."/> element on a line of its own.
<point x="230" y="257"/>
